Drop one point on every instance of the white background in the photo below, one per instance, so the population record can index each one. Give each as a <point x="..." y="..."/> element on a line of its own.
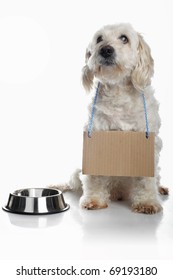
<point x="43" y="104"/>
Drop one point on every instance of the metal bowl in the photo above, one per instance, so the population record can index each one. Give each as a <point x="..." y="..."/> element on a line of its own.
<point x="36" y="201"/>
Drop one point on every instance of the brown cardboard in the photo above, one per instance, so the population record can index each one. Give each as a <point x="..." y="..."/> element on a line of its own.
<point x="118" y="153"/>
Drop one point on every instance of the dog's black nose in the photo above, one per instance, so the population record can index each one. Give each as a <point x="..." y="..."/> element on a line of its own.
<point x="106" y="51"/>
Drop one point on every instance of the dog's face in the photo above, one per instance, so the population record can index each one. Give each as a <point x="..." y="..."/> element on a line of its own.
<point x="118" y="54"/>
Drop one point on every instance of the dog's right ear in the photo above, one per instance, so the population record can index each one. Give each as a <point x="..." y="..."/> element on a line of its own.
<point x="87" y="74"/>
<point x="143" y="71"/>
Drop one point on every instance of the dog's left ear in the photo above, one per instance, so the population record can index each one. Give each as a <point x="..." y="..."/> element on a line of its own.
<point x="87" y="74"/>
<point x="144" y="69"/>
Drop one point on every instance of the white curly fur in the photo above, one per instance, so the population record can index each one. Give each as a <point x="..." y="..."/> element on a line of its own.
<point x="123" y="70"/>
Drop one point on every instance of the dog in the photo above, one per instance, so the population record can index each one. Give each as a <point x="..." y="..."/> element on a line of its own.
<point x="120" y="59"/>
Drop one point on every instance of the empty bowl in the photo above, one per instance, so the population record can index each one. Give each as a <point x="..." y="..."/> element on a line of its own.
<point x="36" y="201"/>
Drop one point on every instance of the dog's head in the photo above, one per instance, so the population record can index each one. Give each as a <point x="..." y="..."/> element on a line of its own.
<point x="117" y="54"/>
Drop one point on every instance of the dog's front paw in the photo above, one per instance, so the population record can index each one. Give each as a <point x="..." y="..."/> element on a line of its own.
<point x="147" y="208"/>
<point x="92" y="203"/>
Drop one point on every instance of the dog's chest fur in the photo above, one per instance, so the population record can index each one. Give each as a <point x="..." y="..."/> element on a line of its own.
<point x="121" y="109"/>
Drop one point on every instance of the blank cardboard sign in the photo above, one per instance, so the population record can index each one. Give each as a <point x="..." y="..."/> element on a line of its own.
<point x="118" y="153"/>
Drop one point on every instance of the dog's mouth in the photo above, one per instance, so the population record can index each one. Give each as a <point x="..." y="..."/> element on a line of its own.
<point x="107" y="62"/>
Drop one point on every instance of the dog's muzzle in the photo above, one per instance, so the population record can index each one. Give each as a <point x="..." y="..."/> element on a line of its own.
<point x="107" y="54"/>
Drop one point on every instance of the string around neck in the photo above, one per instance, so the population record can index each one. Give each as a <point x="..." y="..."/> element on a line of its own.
<point x="90" y="126"/>
<point x="146" y="115"/>
<point x="93" y="111"/>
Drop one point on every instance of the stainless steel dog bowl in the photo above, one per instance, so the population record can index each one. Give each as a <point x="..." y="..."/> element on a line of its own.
<point x="36" y="201"/>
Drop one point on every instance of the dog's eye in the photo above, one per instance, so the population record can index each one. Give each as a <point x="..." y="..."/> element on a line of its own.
<point x="124" y="39"/>
<point x="99" y="39"/>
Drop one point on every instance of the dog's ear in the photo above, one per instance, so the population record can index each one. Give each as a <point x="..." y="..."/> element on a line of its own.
<point x="144" y="69"/>
<point x="87" y="74"/>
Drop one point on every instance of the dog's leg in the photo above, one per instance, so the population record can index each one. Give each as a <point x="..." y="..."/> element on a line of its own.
<point x="95" y="192"/>
<point x="144" y="196"/>
<point x="163" y="191"/>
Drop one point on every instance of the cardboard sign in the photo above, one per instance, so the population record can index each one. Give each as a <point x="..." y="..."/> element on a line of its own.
<point x="118" y="153"/>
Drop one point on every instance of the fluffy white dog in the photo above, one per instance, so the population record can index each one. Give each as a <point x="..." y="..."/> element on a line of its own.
<point x="120" y="59"/>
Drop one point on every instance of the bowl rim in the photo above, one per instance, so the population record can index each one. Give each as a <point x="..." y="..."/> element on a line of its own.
<point x="59" y="192"/>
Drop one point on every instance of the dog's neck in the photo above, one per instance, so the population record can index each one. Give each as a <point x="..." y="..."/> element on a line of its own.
<point x="112" y="89"/>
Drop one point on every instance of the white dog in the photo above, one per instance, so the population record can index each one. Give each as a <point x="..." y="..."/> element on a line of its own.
<point x="120" y="59"/>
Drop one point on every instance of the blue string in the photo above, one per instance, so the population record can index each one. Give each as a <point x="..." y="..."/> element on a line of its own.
<point x="93" y="111"/>
<point x="146" y="116"/>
